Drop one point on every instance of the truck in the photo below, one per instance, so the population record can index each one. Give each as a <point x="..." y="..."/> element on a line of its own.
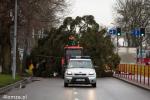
<point x="71" y="49"/>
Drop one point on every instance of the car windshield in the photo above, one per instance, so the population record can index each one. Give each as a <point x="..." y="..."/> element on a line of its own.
<point x="72" y="52"/>
<point x="80" y="64"/>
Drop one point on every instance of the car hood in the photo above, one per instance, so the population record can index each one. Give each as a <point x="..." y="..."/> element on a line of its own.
<point x="81" y="70"/>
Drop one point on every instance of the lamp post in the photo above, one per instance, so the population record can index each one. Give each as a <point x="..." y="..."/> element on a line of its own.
<point x="14" y="43"/>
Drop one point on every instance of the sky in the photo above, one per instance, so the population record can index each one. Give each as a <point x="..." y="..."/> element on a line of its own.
<point x="102" y="10"/>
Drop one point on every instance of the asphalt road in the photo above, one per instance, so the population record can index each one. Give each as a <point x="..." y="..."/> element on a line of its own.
<point x="107" y="89"/>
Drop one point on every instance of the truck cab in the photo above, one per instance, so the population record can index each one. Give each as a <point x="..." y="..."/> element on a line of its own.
<point x="70" y="51"/>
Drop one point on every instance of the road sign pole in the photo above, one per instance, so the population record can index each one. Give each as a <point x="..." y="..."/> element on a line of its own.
<point x="141" y="48"/>
<point x="117" y="43"/>
<point x="148" y="74"/>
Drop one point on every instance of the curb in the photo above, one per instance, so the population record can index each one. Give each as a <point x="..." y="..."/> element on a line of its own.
<point x="20" y="84"/>
<point x="133" y="83"/>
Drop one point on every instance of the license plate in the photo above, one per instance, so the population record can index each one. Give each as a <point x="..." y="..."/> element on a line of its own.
<point x="82" y="80"/>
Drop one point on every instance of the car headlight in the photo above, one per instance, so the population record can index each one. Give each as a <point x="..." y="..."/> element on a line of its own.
<point x="69" y="73"/>
<point x="91" y="73"/>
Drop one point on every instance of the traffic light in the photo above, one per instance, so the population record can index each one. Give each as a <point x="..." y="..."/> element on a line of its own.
<point x="142" y="31"/>
<point x="118" y="31"/>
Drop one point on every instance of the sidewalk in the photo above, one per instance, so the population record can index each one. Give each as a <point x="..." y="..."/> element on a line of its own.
<point x="20" y="84"/>
<point x="133" y="82"/>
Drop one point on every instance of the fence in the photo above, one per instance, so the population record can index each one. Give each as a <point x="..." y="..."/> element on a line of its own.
<point x="136" y="73"/>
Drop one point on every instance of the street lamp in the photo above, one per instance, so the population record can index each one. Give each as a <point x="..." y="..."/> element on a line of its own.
<point x="14" y="43"/>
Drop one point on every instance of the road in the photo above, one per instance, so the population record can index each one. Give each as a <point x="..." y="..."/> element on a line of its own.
<point x="107" y="89"/>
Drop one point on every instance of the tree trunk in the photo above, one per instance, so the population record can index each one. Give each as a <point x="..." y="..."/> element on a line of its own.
<point x="6" y="59"/>
<point x="0" y="45"/>
<point x="128" y="39"/>
<point x="18" y="63"/>
<point x="6" y="47"/>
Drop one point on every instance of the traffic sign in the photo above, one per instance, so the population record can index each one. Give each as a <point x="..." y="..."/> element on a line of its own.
<point x="112" y="31"/>
<point x="136" y="32"/>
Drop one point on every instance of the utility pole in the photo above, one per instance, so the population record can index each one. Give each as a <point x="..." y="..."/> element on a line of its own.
<point x="118" y="29"/>
<point x="117" y="43"/>
<point x="142" y="34"/>
<point x="141" y="58"/>
<point x="14" y="43"/>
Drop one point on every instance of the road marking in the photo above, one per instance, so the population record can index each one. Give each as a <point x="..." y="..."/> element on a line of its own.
<point x="75" y="93"/>
<point x="76" y="99"/>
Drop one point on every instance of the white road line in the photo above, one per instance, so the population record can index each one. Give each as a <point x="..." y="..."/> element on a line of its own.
<point x="76" y="99"/>
<point x="75" y="93"/>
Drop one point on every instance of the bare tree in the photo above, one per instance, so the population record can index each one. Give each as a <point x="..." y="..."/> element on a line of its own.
<point x="39" y="15"/>
<point x="133" y="14"/>
<point x="34" y="15"/>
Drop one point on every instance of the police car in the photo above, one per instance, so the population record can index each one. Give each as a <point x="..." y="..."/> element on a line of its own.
<point x="80" y="70"/>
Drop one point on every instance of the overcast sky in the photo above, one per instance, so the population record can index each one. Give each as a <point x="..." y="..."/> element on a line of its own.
<point x="102" y="10"/>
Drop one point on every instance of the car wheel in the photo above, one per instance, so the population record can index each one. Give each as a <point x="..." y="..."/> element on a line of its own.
<point x="65" y="84"/>
<point x="94" y="85"/>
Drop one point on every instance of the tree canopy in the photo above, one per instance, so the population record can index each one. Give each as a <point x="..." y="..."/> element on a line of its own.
<point x="94" y="41"/>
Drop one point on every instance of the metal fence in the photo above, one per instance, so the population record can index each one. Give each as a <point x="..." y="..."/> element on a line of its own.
<point x="137" y="73"/>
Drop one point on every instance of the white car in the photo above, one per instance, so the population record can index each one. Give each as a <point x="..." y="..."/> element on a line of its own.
<point x="80" y="71"/>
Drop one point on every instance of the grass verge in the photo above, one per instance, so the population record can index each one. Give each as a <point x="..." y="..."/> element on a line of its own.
<point x="7" y="79"/>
